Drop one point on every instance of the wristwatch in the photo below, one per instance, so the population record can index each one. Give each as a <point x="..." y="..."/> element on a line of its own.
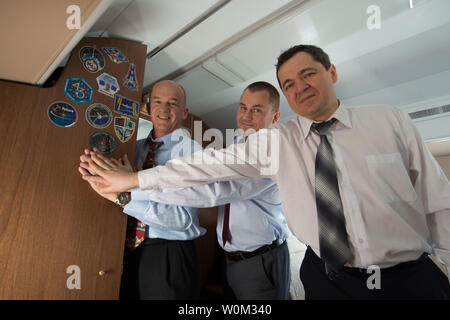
<point x="123" y="198"/>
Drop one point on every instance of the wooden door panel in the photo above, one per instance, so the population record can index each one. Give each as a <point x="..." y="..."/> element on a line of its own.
<point x="49" y="217"/>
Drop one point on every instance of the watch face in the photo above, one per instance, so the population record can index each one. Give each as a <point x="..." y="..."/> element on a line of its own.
<point x="124" y="198"/>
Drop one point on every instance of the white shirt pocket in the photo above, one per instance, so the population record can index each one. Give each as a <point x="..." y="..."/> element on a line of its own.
<point x="389" y="178"/>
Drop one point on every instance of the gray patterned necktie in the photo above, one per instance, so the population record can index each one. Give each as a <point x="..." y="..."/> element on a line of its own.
<point x="334" y="247"/>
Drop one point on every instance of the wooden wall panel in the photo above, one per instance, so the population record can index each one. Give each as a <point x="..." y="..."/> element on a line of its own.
<point x="49" y="217"/>
<point x="444" y="162"/>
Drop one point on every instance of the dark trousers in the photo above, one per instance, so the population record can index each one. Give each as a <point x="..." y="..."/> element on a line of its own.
<point x="420" y="279"/>
<point x="160" y="269"/>
<point x="262" y="277"/>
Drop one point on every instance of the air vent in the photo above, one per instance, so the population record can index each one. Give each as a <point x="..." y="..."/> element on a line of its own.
<point x="222" y="72"/>
<point x="430" y="112"/>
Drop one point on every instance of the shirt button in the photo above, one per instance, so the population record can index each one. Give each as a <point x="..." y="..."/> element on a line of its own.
<point x="361" y="240"/>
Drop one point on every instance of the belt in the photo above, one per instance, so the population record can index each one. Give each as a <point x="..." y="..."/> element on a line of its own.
<point x="332" y="273"/>
<point x="242" y="255"/>
<point x="152" y="241"/>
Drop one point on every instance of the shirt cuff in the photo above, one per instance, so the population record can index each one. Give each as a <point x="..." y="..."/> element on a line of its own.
<point x="148" y="179"/>
<point x="443" y="255"/>
<point x="137" y="194"/>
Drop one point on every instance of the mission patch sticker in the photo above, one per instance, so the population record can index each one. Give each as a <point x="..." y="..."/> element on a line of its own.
<point x="98" y="115"/>
<point x="130" y="80"/>
<point x="107" y="84"/>
<point x="78" y="90"/>
<point x="104" y="142"/>
<point x="124" y="128"/>
<point x="92" y="59"/>
<point x="115" y="54"/>
<point x="62" y="114"/>
<point x="126" y="106"/>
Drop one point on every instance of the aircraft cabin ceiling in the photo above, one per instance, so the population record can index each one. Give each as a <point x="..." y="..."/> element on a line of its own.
<point x="405" y="62"/>
<point x="386" y="51"/>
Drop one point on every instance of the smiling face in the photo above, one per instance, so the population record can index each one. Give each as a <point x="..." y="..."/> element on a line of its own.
<point x="309" y="87"/>
<point x="256" y="111"/>
<point x="167" y="108"/>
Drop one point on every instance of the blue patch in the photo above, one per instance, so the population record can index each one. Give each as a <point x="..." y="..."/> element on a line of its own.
<point x="78" y="90"/>
<point x="115" y="54"/>
<point x="126" y="106"/>
<point x="104" y="142"/>
<point x="130" y="80"/>
<point x="107" y="84"/>
<point x="62" y="114"/>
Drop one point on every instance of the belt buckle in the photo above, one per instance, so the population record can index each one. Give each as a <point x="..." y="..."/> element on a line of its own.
<point x="330" y="272"/>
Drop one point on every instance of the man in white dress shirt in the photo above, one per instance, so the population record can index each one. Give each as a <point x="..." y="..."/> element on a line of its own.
<point x="251" y="228"/>
<point x="389" y="195"/>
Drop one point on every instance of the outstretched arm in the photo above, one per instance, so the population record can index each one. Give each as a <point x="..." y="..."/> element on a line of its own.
<point x="257" y="157"/>
<point x="211" y="195"/>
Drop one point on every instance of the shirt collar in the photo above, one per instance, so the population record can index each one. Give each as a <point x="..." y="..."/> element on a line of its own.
<point x="167" y="139"/>
<point x="341" y="114"/>
<point x="240" y="137"/>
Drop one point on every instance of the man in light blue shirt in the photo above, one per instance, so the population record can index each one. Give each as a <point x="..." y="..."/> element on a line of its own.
<point x="257" y="257"/>
<point x="171" y="222"/>
<point x="163" y="265"/>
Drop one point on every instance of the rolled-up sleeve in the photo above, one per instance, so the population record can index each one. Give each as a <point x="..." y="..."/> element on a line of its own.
<point x="257" y="157"/>
<point x="432" y="185"/>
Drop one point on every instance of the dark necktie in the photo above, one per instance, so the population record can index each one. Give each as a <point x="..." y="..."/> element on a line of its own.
<point x="135" y="228"/>
<point x="150" y="159"/>
<point x="226" y="228"/>
<point x="333" y="241"/>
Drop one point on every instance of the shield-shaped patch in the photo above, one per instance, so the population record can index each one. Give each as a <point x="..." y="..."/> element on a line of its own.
<point x="124" y="128"/>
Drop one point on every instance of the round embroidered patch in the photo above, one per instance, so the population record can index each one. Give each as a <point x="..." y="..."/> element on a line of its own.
<point x="104" y="142"/>
<point x="98" y="115"/>
<point x="62" y="114"/>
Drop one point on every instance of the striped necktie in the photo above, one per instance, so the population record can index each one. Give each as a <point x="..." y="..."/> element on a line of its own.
<point x="136" y="228"/>
<point x="333" y="241"/>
